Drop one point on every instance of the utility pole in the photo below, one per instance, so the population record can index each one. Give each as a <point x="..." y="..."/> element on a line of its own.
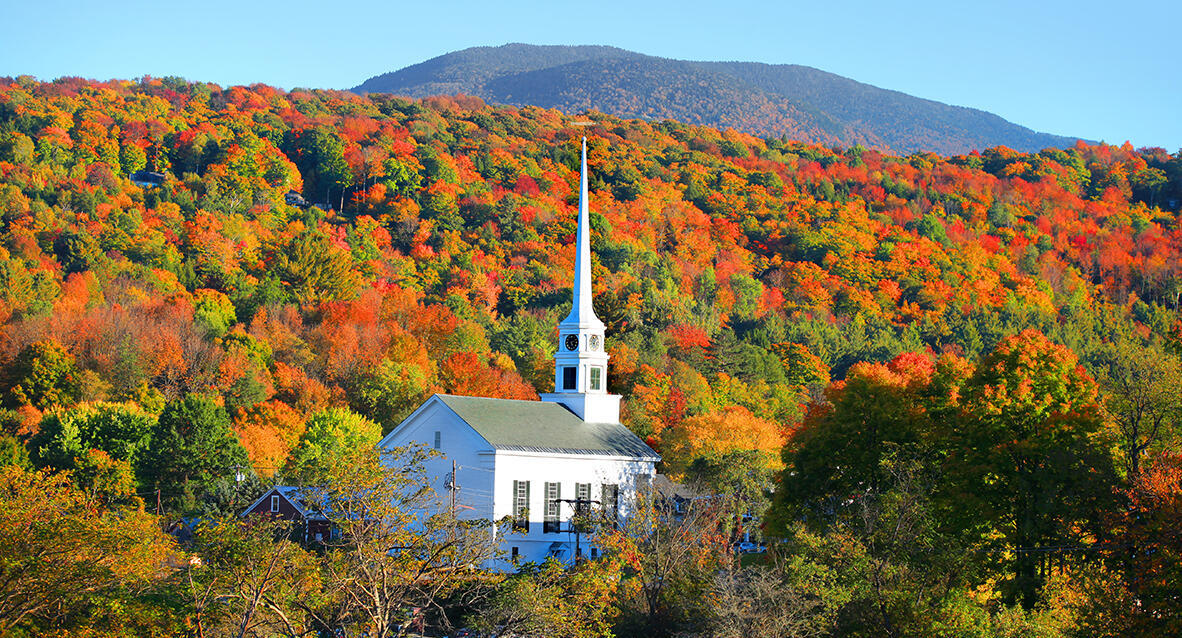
<point x="574" y="525"/>
<point x="453" y="486"/>
<point x="239" y="476"/>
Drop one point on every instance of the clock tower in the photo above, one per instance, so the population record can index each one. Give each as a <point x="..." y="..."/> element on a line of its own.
<point x="580" y="365"/>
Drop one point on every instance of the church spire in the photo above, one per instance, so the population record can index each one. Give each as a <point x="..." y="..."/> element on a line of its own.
<point x="580" y="363"/>
<point x="582" y="311"/>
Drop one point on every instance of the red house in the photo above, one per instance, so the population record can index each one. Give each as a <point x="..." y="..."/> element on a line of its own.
<point x="286" y="503"/>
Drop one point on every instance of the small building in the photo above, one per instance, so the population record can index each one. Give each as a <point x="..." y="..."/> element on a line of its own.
<point x="679" y="497"/>
<point x="540" y="463"/>
<point x="148" y="179"/>
<point x="293" y="198"/>
<point x="284" y="502"/>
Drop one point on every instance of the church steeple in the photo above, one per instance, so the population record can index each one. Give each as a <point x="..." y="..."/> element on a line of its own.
<point x="580" y="364"/>
<point x="582" y="311"/>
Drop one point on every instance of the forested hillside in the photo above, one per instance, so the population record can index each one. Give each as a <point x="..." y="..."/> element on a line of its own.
<point x="761" y="297"/>
<point x="803" y="103"/>
<point x="731" y="271"/>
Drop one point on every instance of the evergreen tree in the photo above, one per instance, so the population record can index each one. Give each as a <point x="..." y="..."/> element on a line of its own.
<point x="192" y="446"/>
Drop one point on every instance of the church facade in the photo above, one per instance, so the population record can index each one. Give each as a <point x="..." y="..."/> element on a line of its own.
<point x="540" y="463"/>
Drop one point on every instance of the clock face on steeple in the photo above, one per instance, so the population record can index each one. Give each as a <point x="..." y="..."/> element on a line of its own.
<point x="593" y="342"/>
<point x="572" y="342"/>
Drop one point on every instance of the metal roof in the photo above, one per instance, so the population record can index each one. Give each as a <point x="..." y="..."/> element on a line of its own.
<point x="542" y="426"/>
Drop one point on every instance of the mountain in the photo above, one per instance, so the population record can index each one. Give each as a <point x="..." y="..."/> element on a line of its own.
<point x="768" y="100"/>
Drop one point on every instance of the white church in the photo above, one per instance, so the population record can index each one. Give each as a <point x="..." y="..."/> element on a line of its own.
<point x="538" y="462"/>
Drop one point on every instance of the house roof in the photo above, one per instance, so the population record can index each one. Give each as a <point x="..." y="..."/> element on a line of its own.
<point x="292" y="495"/>
<point x="668" y="488"/>
<point x="148" y="177"/>
<point x="542" y="426"/>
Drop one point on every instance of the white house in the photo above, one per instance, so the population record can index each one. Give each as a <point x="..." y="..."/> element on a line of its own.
<point x="539" y="461"/>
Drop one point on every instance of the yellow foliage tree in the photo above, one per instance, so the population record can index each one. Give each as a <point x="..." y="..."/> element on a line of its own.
<point x="268" y="431"/>
<point x="60" y="550"/>
<point x="729" y="429"/>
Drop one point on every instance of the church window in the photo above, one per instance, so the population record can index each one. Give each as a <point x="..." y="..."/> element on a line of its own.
<point x="515" y="553"/>
<point x="553" y="507"/>
<point x="275" y="503"/>
<point x="596" y="377"/>
<point x="438" y="439"/>
<point x="582" y="506"/>
<point x="583" y="497"/>
<point x="569" y="374"/>
<point x="521" y="506"/>
<point x="643" y="482"/>
<point x="609" y="500"/>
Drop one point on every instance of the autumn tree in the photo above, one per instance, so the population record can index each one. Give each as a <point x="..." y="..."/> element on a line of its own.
<point x="121" y="430"/>
<point x="251" y="579"/>
<point x="77" y="251"/>
<point x="467" y="374"/>
<point x="718" y="433"/>
<point x="389" y="391"/>
<point x="61" y="551"/>
<point x="878" y="411"/>
<point x="269" y="431"/>
<point x="109" y="481"/>
<point x="668" y="558"/>
<point x="1031" y="423"/>
<point x="330" y="436"/>
<point x="1026" y="416"/>
<point x="551" y="599"/>
<point x="804" y="369"/>
<point x="400" y="550"/>
<point x="43" y="375"/>
<point x="1149" y="547"/>
<point x="1141" y="397"/>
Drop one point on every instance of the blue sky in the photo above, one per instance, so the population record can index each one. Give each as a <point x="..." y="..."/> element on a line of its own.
<point x="1099" y="70"/>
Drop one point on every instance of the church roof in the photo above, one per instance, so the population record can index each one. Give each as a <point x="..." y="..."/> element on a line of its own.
<point x="542" y="426"/>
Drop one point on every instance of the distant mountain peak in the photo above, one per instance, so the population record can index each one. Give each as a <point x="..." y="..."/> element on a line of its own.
<point x="768" y="100"/>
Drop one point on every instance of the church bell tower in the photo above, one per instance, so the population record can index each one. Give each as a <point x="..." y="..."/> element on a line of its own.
<point x="580" y="365"/>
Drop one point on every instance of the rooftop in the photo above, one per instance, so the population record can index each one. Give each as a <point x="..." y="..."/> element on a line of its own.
<point x="541" y="426"/>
